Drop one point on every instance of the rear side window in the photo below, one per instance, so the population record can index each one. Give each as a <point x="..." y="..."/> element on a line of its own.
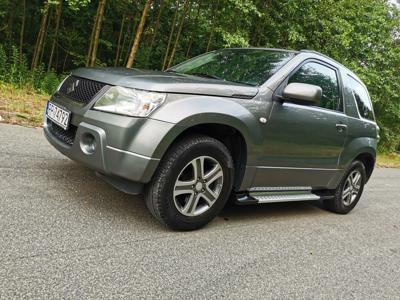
<point x="362" y="99"/>
<point x="322" y="76"/>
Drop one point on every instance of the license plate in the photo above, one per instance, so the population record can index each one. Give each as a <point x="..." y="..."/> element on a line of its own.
<point x="58" y="115"/>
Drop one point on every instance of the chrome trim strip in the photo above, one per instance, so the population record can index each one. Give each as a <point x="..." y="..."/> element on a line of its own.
<point x="315" y="108"/>
<point x="132" y="153"/>
<point x="295" y="168"/>
<point x="279" y="188"/>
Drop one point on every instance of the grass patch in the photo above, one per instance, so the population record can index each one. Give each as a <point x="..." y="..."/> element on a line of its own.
<point x="21" y="106"/>
<point x="391" y="160"/>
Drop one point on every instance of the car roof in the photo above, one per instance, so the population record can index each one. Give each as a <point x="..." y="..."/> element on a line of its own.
<point x="325" y="57"/>
<point x="311" y="52"/>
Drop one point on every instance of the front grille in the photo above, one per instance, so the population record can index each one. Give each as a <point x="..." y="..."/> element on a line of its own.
<point x="65" y="136"/>
<point x="80" y="89"/>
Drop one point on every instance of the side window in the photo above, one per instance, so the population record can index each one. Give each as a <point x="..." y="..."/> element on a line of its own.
<point x="362" y="99"/>
<point x="324" y="77"/>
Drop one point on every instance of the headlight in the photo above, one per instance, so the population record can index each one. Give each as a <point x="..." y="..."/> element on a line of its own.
<point x="129" y="102"/>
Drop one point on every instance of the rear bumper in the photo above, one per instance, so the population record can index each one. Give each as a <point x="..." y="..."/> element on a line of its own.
<point x="106" y="159"/>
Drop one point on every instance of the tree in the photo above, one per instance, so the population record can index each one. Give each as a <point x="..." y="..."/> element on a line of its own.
<point x="40" y="37"/>
<point x="53" y="47"/>
<point x="94" y="41"/>
<point x="170" y="35"/>
<point x="185" y="10"/>
<point x="138" y="35"/>
<point x="22" y="32"/>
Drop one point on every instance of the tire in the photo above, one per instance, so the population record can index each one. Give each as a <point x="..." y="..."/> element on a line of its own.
<point x="343" y="205"/>
<point x="178" y="208"/>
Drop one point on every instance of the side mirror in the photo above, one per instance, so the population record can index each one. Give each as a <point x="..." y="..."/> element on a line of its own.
<point x="302" y="93"/>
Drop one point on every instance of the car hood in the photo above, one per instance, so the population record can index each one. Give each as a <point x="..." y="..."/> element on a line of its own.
<point x="166" y="82"/>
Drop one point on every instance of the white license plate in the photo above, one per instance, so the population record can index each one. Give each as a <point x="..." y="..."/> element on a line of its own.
<point x="58" y="115"/>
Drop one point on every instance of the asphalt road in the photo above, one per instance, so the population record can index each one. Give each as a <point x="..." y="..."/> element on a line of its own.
<point x="66" y="234"/>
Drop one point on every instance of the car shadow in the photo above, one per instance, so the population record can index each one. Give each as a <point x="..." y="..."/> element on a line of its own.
<point x="261" y="212"/>
<point x="85" y="190"/>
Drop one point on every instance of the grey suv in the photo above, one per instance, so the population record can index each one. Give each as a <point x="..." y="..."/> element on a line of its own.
<point x="251" y="125"/>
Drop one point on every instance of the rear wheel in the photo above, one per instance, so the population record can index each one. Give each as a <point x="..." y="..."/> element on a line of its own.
<point x="349" y="191"/>
<point x="192" y="183"/>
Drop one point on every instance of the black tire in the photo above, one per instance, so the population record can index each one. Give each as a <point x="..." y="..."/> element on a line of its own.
<point x="159" y="192"/>
<point x="337" y="204"/>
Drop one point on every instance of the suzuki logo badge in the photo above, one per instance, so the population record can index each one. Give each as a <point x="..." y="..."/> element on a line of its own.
<point x="72" y="87"/>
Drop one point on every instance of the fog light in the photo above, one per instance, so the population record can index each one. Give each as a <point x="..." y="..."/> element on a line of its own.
<point x="88" y="143"/>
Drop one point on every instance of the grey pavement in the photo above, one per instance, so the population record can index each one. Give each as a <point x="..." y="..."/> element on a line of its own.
<point x="66" y="234"/>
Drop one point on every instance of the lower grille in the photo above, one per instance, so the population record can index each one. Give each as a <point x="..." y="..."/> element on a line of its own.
<point x="65" y="136"/>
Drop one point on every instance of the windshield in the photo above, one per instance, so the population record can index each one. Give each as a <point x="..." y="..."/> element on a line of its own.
<point x="246" y="66"/>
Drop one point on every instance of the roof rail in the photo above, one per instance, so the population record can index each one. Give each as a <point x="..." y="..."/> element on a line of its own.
<point x="319" y="53"/>
<point x="330" y="58"/>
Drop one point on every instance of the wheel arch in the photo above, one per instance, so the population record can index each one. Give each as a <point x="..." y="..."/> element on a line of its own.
<point x="368" y="161"/>
<point x="232" y="137"/>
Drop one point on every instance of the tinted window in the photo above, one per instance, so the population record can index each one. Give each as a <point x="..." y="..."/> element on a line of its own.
<point x="362" y="99"/>
<point x="322" y="76"/>
<point x="247" y="66"/>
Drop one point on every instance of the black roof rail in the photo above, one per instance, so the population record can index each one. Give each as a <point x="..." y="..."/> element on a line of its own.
<point x="330" y="58"/>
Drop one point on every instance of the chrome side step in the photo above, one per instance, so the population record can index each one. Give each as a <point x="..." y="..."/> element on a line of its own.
<point x="285" y="198"/>
<point x="281" y="194"/>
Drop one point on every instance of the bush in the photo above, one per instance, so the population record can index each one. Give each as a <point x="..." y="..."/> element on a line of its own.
<point x="49" y="83"/>
<point x="14" y="69"/>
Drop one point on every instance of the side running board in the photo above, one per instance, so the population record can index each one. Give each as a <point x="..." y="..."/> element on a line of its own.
<point x="280" y="194"/>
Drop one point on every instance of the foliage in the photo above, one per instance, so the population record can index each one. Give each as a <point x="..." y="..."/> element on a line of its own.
<point x="361" y="34"/>
<point x="14" y="70"/>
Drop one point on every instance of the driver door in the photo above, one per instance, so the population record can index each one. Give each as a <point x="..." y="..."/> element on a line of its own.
<point x="303" y="143"/>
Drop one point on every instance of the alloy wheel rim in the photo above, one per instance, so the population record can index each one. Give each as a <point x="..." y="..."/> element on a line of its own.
<point x="198" y="186"/>
<point x="351" y="188"/>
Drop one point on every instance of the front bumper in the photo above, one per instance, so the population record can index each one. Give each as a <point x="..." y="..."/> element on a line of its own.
<point x="125" y="147"/>
<point x="105" y="159"/>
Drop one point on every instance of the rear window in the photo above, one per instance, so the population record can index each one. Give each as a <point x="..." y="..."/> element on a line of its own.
<point x="361" y="97"/>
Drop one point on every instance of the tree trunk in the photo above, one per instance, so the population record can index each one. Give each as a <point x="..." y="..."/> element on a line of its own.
<point x="53" y="46"/>
<point x="182" y="21"/>
<point x="130" y="40"/>
<point x="212" y="26"/>
<point x="138" y="35"/>
<point x="40" y="38"/>
<point x="65" y="62"/>
<point x="156" y="26"/>
<point x="49" y="17"/>
<point x="121" y="31"/>
<point x="21" y="35"/>
<point x="93" y="55"/>
<point x="195" y="22"/>
<point x="92" y="36"/>
<point x="170" y="35"/>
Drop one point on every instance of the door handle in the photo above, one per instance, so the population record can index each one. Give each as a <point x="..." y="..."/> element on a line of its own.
<point x="341" y="127"/>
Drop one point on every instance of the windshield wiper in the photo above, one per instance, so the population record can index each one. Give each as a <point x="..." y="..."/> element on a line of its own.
<point x="205" y="75"/>
<point x="171" y="71"/>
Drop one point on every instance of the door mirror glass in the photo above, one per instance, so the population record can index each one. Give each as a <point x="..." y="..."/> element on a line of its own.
<point x="302" y="93"/>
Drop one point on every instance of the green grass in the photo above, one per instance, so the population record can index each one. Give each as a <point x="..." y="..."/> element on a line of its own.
<point x="388" y="160"/>
<point x="21" y="106"/>
<point x="26" y="107"/>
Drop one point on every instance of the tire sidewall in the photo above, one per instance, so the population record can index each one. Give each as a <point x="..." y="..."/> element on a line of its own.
<point x="356" y="165"/>
<point x="208" y="148"/>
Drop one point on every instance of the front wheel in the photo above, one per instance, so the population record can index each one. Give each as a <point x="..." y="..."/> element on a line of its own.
<point x="349" y="190"/>
<point x="192" y="183"/>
